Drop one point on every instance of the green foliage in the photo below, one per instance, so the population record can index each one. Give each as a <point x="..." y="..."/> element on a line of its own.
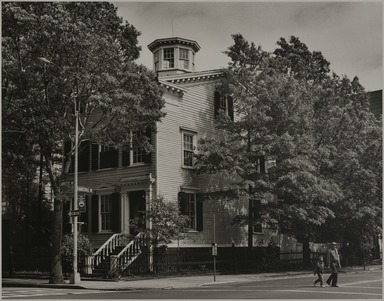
<point x="168" y="223"/>
<point x="58" y="54"/>
<point x="318" y="129"/>
<point x="84" y="249"/>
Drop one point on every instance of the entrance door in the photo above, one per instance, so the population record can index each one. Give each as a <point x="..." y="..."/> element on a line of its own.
<point x="136" y="207"/>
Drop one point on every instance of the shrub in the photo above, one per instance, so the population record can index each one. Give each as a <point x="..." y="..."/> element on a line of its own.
<point x="84" y="248"/>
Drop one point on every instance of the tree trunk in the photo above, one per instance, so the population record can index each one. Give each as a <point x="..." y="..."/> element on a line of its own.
<point x="250" y="225"/>
<point x="306" y="252"/>
<point x="56" y="275"/>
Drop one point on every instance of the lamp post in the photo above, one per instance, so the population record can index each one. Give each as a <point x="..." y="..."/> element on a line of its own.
<point x="75" y="277"/>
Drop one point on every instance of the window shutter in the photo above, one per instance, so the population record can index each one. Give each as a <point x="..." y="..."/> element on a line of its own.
<point x="95" y="156"/>
<point x="84" y="156"/>
<point x="230" y="108"/>
<point x="95" y="213"/>
<point x="115" y="213"/>
<point x="147" y="157"/>
<point x="113" y="157"/>
<point x="126" y="156"/>
<point x="199" y="212"/>
<point x="217" y="103"/>
<point x="67" y="149"/>
<point x="183" y="202"/>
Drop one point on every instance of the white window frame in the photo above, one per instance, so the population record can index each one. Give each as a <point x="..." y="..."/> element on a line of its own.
<point x="224" y="104"/>
<point x="192" y="214"/>
<point x="170" y="60"/>
<point x="101" y="199"/>
<point x="194" y="140"/>
<point x="183" y="61"/>
<point x="135" y="153"/>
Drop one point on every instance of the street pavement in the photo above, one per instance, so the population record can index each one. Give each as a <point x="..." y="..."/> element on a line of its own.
<point x="177" y="282"/>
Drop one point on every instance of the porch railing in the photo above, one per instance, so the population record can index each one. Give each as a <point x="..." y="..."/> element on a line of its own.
<point x="106" y="249"/>
<point x="127" y="255"/>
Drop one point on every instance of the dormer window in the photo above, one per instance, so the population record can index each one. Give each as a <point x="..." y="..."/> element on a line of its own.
<point x="183" y="58"/>
<point x="169" y="58"/>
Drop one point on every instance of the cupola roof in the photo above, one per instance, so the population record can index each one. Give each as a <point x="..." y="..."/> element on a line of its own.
<point x="172" y="41"/>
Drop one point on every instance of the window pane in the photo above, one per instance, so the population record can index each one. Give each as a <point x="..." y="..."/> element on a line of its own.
<point x="188" y="157"/>
<point x="169" y="58"/>
<point x="137" y="151"/>
<point x="106" y="212"/>
<point x="188" y="142"/>
<point x="183" y="54"/>
<point x="188" y="149"/>
<point x="192" y="210"/>
<point x="223" y="103"/>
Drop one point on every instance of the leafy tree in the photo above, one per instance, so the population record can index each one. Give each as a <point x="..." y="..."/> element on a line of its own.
<point x="58" y="55"/>
<point x="290" y="109"/>
<point x="168" y="223"/>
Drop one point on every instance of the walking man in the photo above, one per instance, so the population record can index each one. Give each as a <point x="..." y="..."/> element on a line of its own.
<point x="333" y="262"/>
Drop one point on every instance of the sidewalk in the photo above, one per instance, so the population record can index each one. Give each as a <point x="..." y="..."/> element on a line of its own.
<point x="170" y="282"/>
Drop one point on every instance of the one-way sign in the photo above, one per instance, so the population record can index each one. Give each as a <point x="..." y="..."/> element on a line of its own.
<point x="74" y="213"/>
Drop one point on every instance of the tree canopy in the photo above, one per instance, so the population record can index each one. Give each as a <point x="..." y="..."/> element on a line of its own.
<point x="314" y="125"/>
<point x="58" y="55"/>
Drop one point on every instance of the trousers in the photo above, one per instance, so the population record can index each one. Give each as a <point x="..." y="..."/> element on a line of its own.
<point x="334" y="275"/>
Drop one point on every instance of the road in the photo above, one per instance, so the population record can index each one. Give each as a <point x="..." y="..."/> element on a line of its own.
<point x="352" y="286"/>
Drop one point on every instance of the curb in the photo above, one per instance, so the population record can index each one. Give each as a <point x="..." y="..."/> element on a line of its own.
<point x="15" y="282"/>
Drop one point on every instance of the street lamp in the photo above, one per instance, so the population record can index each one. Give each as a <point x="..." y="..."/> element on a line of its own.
<point x="75" y="277"/>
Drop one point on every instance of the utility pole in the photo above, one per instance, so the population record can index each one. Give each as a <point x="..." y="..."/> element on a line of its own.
<point x="75" y="277"/>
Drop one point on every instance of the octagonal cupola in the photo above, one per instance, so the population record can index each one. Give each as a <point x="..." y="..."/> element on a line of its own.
<point x="173" y="55"/>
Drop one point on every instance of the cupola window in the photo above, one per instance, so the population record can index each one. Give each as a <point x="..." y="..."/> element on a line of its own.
<point x="183" y="58"/>
<point x="169" y="58"/>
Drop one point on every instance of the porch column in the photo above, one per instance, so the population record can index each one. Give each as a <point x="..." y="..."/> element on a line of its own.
<point x="124" y="216"/>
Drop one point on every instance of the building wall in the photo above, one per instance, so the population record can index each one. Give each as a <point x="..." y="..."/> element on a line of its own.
<point x="194" y="111"/>
<point x="376" y="103"/>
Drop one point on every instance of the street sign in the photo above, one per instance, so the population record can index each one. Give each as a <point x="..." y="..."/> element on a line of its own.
<point x="74" y="213"/>
<point x="84" y="189"/>
<point x="214" y="249"/>
<point x="81" y="200"/>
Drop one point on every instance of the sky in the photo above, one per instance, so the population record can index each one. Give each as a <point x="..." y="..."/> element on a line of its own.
<point x="349" y="34"/>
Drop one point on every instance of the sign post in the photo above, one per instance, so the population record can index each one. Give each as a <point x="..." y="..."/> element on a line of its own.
<point x="214" y="249"/>
<point x="75" y="277"/>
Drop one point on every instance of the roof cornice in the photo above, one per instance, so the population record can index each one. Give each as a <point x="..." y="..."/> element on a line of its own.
<point x="193" y="76"/>
<point x="172" y="41"/>
<point x="172" y="88"/>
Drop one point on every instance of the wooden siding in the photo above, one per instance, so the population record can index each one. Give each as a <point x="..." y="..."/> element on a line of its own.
<point x="194" y="111"/>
